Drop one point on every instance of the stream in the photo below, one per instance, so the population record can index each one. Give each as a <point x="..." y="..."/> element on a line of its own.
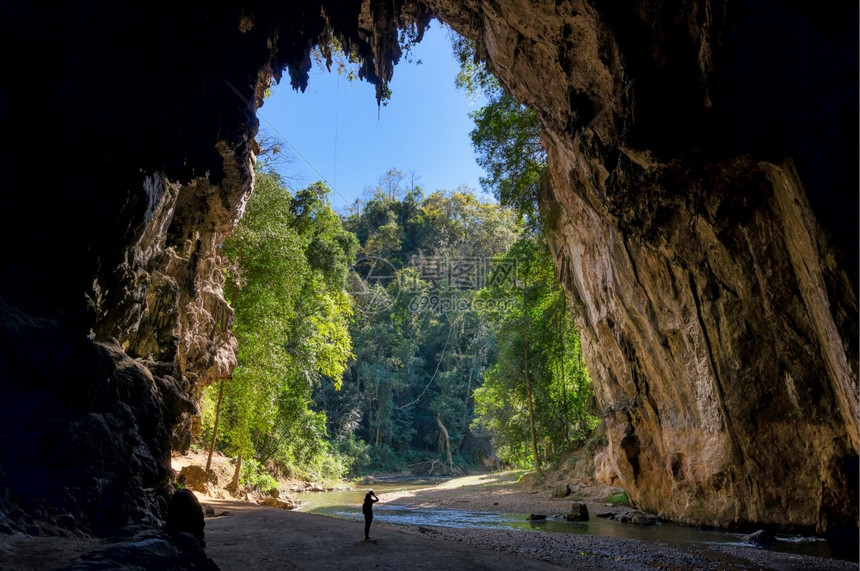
<point x="347" y="505"/>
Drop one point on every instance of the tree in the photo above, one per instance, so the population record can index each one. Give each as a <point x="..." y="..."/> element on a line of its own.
<point x="506" y="139"/>
<point x="290" y="258"/>
<point x="409" y="391"/>
<point x="536" y="392"/>
<point x="506" y="136"/>
<point x="537" y="388"/>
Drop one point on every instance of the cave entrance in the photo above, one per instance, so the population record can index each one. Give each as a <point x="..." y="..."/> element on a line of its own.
<point x="452" y="307"/>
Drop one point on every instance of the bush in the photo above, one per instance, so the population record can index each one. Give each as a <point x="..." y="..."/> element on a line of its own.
<point x="618" y="499"/>
<point x="354" y="454"/>
<point x="256" y="476"/>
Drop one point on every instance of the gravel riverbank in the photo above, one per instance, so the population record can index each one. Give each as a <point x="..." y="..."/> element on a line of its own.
<point x="503" y="493"/>
<point x="593" y="552"/>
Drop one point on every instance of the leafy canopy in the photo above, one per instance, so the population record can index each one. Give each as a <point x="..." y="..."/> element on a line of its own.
<point x="289" y="258"/>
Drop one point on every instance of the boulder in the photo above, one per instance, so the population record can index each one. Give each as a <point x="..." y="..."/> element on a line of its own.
<point x="578" y="512"/>
<point x="760" y="538"/>
<point x="147" y="549"/>
<point x="287" y="503"/>
<point x="197" y="478"/>
<point x="536" y="517"/>
<point x="185" y="515"/>
<point x="635" y="517"/>
<point x="642" y="519"/>
<point x="562" y="491"/>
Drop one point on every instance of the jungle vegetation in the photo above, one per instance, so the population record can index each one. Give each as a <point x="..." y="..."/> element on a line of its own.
<point x="421" y="332"/>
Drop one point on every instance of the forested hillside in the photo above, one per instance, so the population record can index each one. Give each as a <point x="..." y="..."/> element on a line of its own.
<point x="420" y="332"/>
<point x="447" y="287"/>
<point x="421" y="347"/>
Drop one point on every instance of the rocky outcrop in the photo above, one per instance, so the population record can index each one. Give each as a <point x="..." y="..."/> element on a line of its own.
<point x="174" y="318"/>
<point x="684" y="200"/>
<point x="695" y="196"/>
<point x="199" y="479"/>
<point x="578" y="512"/>
<point x="90" y="454"/>
<point x="286" y="503"/>
<point x="146" y="549"/>
<point x="185" y="515"/>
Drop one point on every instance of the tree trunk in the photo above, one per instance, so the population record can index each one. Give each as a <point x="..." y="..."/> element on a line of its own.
<point x="531" y="406"/>
<point x="234" y="483"/>
<point x="564" y="386"/>
<point x="564" y="404"/>
<point x="215" y="426"/>
<point x="447" y="442"/>
<point x="466" y="401"/>
<point x="528" y="376"/>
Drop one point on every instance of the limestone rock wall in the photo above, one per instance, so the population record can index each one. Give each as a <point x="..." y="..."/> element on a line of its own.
<point x="173" y="317"/>
<point x="718" y="318"/>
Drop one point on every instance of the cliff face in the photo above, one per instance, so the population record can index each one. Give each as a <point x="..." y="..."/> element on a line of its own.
<point x="719" y="326"/>
<point x="698" y="198"/>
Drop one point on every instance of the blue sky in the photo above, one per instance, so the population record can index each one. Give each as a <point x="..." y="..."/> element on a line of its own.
<point x="336" y="125"/>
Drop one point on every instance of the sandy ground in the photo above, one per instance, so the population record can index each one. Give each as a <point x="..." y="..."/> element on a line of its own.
<point x="502" y="492"/>
<point x="255" y="537"/>
<point x="260" y="538"/>
<point x="245" y="536"/>
<point x="265" y="538"/>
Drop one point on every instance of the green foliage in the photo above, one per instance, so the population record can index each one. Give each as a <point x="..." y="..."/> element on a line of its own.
<point x="330" y="383"/>
<point x="506" y="136"/>
<point x="536" y="341"/>
<point x="416" y="366"/>
<point x="290" y="257"/>
<point x="254" y="475"/>
<point x="618" y="499"/>
<point x="355" y="454"/>
<point x="346" y="62"/>
<point x="540" y="324"/>
<point x="473" y="77"/>
<point x="506" y="139"/>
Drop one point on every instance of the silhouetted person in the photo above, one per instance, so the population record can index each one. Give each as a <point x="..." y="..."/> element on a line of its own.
<point x="367" y="509"/>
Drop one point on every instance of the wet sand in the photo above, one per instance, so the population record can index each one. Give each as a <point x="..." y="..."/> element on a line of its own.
<point x="255" y="537"/>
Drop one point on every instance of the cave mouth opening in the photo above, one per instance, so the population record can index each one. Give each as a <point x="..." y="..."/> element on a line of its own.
<point x="336" y="133"/>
